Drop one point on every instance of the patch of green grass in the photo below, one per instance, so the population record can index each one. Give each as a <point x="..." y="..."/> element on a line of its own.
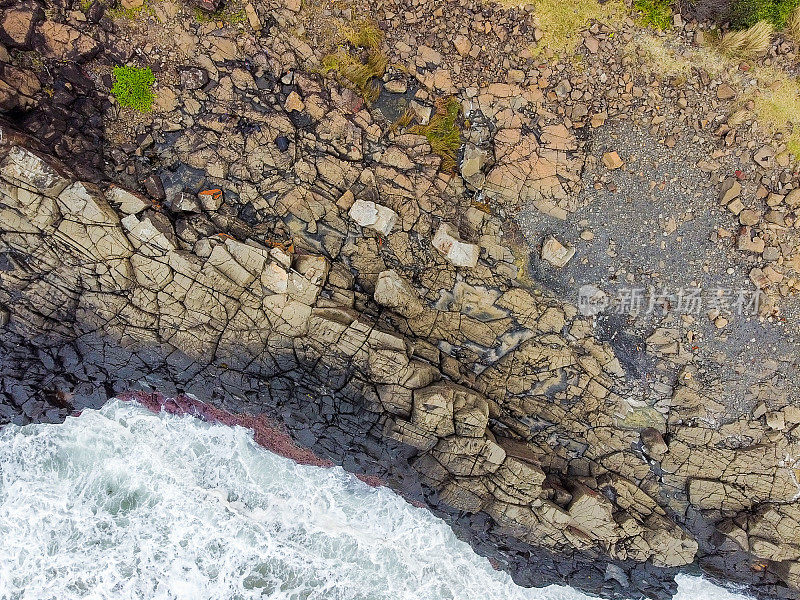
<point x="793" y="146"/>
<point x="443" y="131"/>
<point x="746" y="13"/>
<point x="225" y="14"/>
<point x="655" y="13"/>
<point x="133" y="87"/>
<point x="86" y="5"/>
<point x="131" y="13"/>
<point x="360" y="62"/>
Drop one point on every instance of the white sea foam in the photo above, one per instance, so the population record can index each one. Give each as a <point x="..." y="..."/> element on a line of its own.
<point x="123" y="504"/>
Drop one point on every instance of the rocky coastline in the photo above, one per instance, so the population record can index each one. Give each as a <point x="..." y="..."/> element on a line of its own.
<point x="280" y="245"/>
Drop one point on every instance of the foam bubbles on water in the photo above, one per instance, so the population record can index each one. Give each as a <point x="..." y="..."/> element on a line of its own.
<point x="124" y="504"/>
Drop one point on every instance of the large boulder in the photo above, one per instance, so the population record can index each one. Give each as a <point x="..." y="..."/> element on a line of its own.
<point x="17" y="25"/>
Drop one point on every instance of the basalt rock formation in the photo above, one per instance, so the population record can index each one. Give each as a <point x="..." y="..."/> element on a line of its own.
<point x="283" y="254"/>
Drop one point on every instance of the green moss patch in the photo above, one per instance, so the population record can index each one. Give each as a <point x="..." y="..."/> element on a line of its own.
<point x="746" y="13"/>
<point x="133" y="87"/>
<point x="655" y="13"/>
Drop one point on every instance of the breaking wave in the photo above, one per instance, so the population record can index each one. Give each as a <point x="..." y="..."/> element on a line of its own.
<point x="121" y="503"/>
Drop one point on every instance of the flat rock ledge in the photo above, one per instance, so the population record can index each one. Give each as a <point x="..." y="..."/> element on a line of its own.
<point x="97" y="301"/>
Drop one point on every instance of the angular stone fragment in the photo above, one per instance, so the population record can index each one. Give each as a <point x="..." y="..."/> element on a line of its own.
<point x="462" y="45"/>
<point x="16" y="27"/>
<point x="433" y="409"/>
<point x="726" y="92"/>
<point x="612" y="161"/>
<point x="294" y="102"/>
<point x="396" y="399"/>
<point x="223" y="261"/>
<point x="28" y="170"/>
<point x="408" y="433"/>
<point x="469" y="457"/>
<point x="66" y="43"/>
<point x="556" y="253"/>
<point x="86" y="201"/>
<point x="653" y="443"/>
<point x="394" y="292"/>
<point x="472" y="166"/>
<point x="729" y="191"/>
<point x="376" y="216"/>
<point x="792" y="199"/>
<point x="210" y="200"/>
<point x="275" y="278"/>
<point x="467" y="495"/>
<point x="670" y="545"/>
<point x="460" y="254"/>
<point x="183" y="202"/>
<point x="128" y="203"/>
<point x="517" y="481"/>
<point x="592" y="513"/>
<point x="746" y="242"/>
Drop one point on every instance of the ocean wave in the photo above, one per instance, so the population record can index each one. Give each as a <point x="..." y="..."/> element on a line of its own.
<point x="121" y="503"/>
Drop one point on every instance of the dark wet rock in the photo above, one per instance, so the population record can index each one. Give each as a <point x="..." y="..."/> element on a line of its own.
<point x="154" y="187"/>
<point x="193" y="78"/>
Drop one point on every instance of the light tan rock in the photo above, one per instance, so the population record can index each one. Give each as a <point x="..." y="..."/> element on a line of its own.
<point x="556" y="253"/>
<point x="612" y="161"/>
<point x="375" y="216"/>
<point x="592" y="513"/>
<point x="394" y="292"/>
<point x="28" y="170"/>
<point x="127" y="202"/>
<point x="433" y="409"/>
<point x="469" y="457"/>
<point x="294" y="102"/>
<point x="729" y="191"/>
<point x="458" y="253"/>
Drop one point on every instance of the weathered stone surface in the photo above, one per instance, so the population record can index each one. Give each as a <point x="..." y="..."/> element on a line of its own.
<point x="556" y="253"/>
<point x="457" y="252"/>
<point x="298" y="316"/>
<point x="67" y="43"/>
<point x="375" y="216"/>
<point x="128" y="203"/>
<point x="394" y="292"/>
<point x="17" y="25"/>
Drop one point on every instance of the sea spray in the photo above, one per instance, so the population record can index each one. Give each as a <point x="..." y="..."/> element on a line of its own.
<point x="121" y="503"/>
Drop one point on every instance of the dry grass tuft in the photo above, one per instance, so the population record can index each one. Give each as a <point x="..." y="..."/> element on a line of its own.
<point x="749" y="43"/>
<point x="662" y="59"/>
<point x="777" y="108"/>
<point x="363" y="35"/>
<point x="793" y="25"/>
<point x="361" y="62"/>
<point x="562" y="21"/>
<point x="403" y="121"/>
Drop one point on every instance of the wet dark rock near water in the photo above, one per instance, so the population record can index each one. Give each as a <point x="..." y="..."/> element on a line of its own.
<point x="49" y="380"/>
